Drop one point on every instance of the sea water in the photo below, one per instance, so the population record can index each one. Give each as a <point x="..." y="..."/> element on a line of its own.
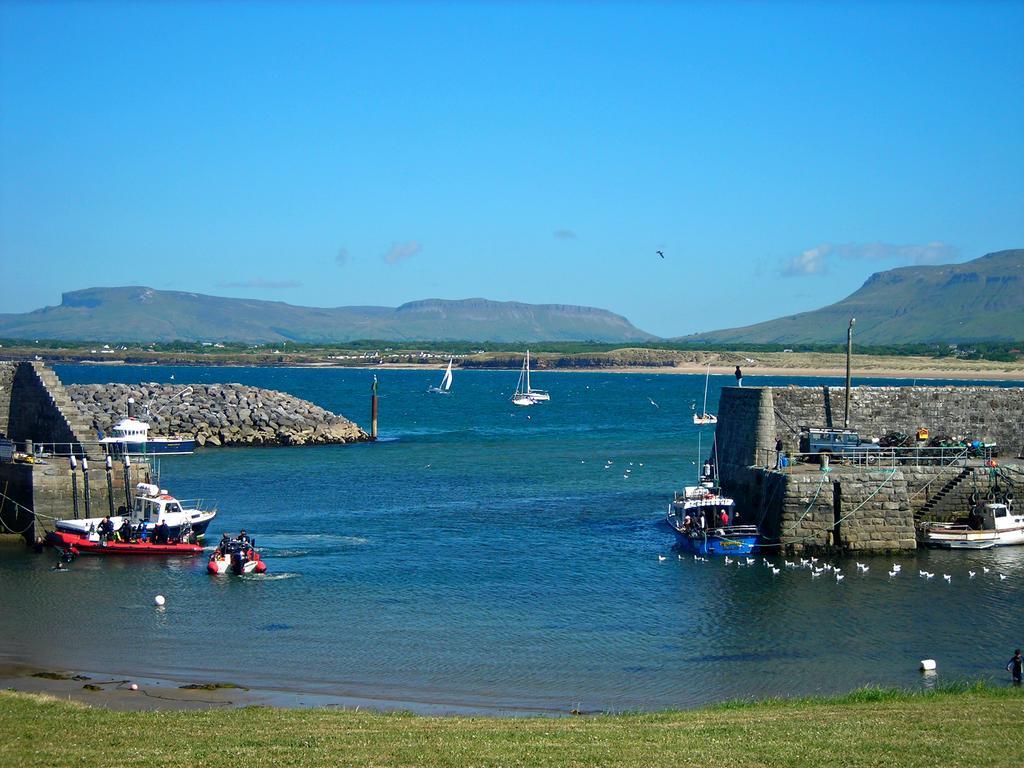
<point x="484" y="557"/>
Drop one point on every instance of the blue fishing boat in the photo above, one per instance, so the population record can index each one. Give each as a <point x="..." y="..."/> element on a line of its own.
<point x="704" y="521"/>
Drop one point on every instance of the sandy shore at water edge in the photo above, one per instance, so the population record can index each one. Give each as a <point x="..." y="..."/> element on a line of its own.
<point x="750" y="373"/>
<point x="113" y="691"/>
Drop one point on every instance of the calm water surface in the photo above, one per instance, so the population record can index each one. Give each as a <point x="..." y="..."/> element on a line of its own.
<point x="482" y="556"/>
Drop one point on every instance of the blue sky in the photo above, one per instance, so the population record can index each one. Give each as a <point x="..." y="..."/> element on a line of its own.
<point x="329" y="154"/>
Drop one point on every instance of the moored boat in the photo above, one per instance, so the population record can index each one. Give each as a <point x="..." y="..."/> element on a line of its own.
<point x="704" y="522"/>
<point x="152" y="506"/>
<point x="130" y="437"/>
<point x="994" y="524"/>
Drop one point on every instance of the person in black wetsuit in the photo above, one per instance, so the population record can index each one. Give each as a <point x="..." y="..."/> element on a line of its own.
<point x="106" y="529"/>
<point x="162" y="532"/>
<point x="1016" y="666"/>
<point x="225" y="542"/>
<point x="739" y="377"/>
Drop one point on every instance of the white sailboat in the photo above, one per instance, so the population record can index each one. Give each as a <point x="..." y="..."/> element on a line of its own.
<point x="446" y="381"/>
<point x="522" y="395"/>
<point x="537" y="395"/>
<point x="705" y="417"/>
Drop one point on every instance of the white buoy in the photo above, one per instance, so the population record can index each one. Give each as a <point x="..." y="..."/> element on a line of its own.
<point x="134" y="686"/>
<point x="927" y="665"/>
<point x="159" y="600"/>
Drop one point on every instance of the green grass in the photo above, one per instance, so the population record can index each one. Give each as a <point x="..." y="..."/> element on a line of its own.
<point x="972" y="726"/>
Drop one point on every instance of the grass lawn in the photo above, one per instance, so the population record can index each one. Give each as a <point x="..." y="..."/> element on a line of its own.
<point x="966" y="726"/>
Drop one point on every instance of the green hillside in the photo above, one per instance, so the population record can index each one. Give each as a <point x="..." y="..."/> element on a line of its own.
<point x="980" y="300"/>
<point x="143" y="314"/>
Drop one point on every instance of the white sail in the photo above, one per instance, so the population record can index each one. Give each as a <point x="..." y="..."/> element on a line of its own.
<point x="446" y="382"/>
<point x="522" y="396"/>
<point x="537" y="395"/>
<point x="705" y="417"/>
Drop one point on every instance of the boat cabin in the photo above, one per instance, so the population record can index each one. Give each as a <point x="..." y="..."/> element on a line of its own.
<point x="153" y="502"/>
<point x="994" y="517"/>
<point x="131" y="430"/>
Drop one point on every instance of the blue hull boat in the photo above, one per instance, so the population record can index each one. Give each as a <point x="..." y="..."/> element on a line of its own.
<point x="735" y="540"/>
<point x="704" y="521"/>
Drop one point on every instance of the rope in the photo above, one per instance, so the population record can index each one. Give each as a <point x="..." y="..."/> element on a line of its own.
<point x="810" y="505"/>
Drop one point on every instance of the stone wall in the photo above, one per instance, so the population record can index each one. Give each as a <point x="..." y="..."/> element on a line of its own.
<point x="217" y="414"/>
<point x="6" y="382"/>
<point x="36" y="494"/>
<point x="876" y="506"/>
<point x="993" y="414"/>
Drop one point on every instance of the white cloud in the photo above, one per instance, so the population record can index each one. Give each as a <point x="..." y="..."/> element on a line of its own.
<point x="401" y="251"/>
<point x="814" y="261"/>
<point x="810" y="262"/>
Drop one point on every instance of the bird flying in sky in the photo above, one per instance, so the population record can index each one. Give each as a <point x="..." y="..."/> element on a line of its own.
<point x="660" y="254"/>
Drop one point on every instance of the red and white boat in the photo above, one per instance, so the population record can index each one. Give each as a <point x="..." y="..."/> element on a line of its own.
<point x="79" y="544"/>
<point x="238" y="559"/>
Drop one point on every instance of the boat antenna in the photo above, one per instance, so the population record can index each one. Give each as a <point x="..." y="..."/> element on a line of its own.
<point x="715" y="449"/>
<point x="700" y="465"/>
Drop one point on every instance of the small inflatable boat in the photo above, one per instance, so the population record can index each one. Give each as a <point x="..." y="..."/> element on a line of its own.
<point x="237" y="560"/>
<point x="78" y="544"/>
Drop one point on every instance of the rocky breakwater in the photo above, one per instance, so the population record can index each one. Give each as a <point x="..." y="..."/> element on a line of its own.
<point x="217" y="414"/>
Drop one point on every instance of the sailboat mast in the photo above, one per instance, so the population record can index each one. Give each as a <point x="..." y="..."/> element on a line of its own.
<point x="527" y="370"/>
<point x="706" y="377"/>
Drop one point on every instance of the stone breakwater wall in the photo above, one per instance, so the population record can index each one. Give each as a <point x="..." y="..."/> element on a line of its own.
<point x="864" y="509"/>
<point x="217" y="414"/>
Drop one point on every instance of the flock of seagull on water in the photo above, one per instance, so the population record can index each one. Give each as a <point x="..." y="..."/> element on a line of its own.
<point x="811" y="564"/>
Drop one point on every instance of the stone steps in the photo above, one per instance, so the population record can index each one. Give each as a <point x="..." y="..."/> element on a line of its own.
<point x="929" y="507"/>
<point x="62" y="402"/>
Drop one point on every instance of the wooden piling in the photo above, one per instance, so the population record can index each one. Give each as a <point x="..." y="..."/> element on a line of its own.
<point x="373" y="409"/>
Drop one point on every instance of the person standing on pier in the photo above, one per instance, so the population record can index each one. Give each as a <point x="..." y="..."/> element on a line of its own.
<point x="1016" y="666"/>
<point x="778" y="453"/>
<point x="739" y="377"/>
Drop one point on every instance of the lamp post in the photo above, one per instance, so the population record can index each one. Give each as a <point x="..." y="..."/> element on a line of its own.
<point x="849" y="352"/>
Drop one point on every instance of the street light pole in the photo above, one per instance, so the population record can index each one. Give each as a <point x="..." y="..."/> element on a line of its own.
<point x="849" y="352"/>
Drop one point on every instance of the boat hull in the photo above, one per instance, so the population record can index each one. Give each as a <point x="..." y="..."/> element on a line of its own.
<point x="723" y="541"/>
<point x="84" y="546"/>
<point x="223" y="564"/>
<point x="156" y="446"/>
<point x="198" y="523"/>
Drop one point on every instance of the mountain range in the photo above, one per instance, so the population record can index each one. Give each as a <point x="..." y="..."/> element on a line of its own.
<point x="144" y="314"/>
<point x="979" y="300"/>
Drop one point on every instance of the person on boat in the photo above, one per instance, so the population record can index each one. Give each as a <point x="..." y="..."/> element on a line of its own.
<point x="243" y="539"/>
<point x="225" y="542"/>
<point x="162" y="533"/>
<point x="1016" y="666"/>
<point x="106" y="529"/>
<point x="687" y="522"/>
<point x="724" y="518"/>
<point x="739" y="377"/>
<point x="124" y="533"/>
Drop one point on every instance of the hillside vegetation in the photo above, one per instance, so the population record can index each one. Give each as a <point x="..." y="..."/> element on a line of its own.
<point x="142" y="314"/>
<point x="980" y="300"/>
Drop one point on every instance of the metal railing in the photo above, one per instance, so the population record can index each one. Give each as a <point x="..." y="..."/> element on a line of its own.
<point x="942" y="456"/>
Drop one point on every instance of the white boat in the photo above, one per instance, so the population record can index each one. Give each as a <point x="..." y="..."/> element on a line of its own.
<point x="522" y="395"/>
<point x="446" y="382"/>
<point x="705" y="417"/>
<point x="537" y="395"/>
<point x="130" y="436"/>
<point x="994" y="525"/>
<point x="152" y="506"/>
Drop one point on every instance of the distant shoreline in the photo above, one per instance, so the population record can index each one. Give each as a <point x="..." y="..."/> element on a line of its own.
<point x="888" y="368"/>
